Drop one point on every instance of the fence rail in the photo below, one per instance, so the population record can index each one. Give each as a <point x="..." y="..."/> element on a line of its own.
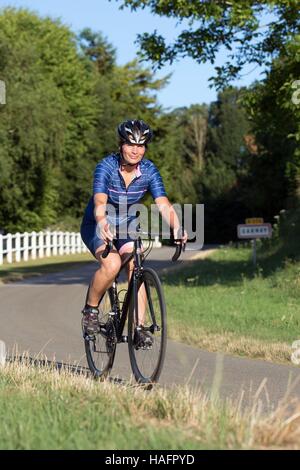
<point x="24" y="246"/>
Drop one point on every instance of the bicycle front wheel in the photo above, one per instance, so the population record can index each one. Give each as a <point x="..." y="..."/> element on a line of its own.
<point x="100" y="348"/>
<point x="147" y="362"/>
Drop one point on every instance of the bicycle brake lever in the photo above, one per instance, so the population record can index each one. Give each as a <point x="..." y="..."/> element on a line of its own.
<point x="177" y="252"/>
<point x="107" y="249"/>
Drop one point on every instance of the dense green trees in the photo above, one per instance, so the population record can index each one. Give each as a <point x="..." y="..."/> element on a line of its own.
<point x="46" y="123"/>
<point x="274" y="110"/>
<point x="66" y="94"/>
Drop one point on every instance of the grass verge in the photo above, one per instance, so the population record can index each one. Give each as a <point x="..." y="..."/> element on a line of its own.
<point x="41" y="408"/>
<point x="18" y="271"/>
<point x="222" y="303"/>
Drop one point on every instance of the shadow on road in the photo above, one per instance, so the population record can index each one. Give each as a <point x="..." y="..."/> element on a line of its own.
<point x="81" y="273"/>
<point x="62" y="367"/>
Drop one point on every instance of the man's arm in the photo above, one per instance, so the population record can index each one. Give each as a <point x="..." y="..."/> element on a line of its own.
<point x="100" y="201"/>
<point x="168" y="213"/>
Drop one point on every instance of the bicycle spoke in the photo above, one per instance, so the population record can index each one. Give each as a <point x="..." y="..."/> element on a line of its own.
<point x="100" y="348"/>
<point x="147" y="362"/>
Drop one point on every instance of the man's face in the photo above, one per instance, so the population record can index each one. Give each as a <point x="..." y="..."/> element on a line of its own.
<point x="133" y="153"/>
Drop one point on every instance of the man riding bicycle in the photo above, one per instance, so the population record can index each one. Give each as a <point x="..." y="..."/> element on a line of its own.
<point x="121" y="179"/>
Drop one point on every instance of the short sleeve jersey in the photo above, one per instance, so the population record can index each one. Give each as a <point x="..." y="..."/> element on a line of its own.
<point x="109" y="180"/>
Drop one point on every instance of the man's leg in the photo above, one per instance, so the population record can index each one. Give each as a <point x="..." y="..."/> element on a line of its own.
<point x="104" y="276"/>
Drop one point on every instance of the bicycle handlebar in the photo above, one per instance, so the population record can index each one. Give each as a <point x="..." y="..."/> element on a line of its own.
<point x="179" y="248"/>
<point x="177" y="252"/>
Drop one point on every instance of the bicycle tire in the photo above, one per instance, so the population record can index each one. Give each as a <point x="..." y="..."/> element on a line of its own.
<point x="98" y="367"/>
<point x="147" y="370"/>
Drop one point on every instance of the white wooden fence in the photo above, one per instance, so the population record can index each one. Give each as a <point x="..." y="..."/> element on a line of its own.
<point x="24" y="246"/>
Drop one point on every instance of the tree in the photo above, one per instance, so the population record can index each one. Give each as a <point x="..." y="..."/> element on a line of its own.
<point x="228" y="127"/>
<point x="274" y="111"/>
<point x="98" y="50"/>
<point x="212" y="25"/>
<point x="45" y="125"/>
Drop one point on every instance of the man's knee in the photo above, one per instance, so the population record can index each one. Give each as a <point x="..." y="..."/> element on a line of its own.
<point x="111" y="266"/>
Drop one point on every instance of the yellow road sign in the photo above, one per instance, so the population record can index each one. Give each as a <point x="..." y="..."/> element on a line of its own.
<point x="254" y="220"/>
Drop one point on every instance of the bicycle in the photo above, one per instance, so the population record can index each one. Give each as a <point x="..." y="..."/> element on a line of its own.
<point x="100" y="347"/>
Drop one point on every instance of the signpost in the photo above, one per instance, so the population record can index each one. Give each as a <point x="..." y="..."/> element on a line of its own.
<point x="254" y="230"/>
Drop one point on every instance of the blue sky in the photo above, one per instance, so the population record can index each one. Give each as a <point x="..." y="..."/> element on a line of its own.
<point x="189" y="82"/>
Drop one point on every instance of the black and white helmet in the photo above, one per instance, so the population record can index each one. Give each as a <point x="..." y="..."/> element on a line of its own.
<point x="134" y="132"/>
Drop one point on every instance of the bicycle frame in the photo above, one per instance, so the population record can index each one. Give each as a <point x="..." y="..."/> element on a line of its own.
<point x="121" y="316"/>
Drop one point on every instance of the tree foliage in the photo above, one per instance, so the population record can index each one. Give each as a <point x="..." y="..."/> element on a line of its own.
<point x="46" y="121"/>
<point x="209" y="26"/>
<point x="273" y="107"/>
<point x="65" y="97"/>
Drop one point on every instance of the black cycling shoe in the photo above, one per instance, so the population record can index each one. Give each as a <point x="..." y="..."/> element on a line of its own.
<point x="90" y="320"/>
<point x="142" y="339"/>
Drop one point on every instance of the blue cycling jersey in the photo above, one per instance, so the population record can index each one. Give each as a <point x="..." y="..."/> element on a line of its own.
<point x="109" y="180"/>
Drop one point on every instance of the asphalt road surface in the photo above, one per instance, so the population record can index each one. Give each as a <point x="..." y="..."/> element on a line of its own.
<point x="42" y="315"/>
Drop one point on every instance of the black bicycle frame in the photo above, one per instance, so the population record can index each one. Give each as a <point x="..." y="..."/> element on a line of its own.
<point x="132" y="288"/>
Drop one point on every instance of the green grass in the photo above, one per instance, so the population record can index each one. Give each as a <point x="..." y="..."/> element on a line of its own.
<point x="18" y="271"/>
<point x="41" y="408"/>
<point x="222" y="302"/>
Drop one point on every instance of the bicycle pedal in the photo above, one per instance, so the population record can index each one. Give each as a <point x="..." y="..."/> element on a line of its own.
<point x="88" y="337"/>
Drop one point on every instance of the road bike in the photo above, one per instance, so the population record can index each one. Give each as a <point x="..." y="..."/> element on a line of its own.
<point x="145" y="298"/>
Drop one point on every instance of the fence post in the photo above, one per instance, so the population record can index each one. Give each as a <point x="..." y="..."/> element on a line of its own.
<point x="9" y="257"/>
<point x="157" y="243"/>
<point x="83" y="247"/>
<point x="18" y="247"/>
<point x="48" y="243"/>
<point x="73" y="243"/>
<point x="54" y="252"/>
<point x="61" y="243"/>
<point x="67" y="238"/>
<point x="78" y="243"/>
<point x="26" y="246"/>
<point x="1" y="249"/>
<point x="41" y="244"/>
<point x="33" y="245"/>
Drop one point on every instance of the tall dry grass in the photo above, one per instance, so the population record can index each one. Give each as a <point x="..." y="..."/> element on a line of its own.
<point x="180" y="415"/>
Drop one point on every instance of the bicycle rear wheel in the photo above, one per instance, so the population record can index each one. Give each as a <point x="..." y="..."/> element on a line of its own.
<point x="147" y="363"/>
<point x="100" y="348"/>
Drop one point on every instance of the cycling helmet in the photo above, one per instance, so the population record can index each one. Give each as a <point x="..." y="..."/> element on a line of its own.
<point x="134" y="132"/>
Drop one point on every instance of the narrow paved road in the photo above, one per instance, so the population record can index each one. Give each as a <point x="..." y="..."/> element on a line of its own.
<point x="43" y="315"/>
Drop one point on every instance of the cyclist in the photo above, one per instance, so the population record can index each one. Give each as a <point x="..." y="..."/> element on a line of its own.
<point x="121" y="179"/>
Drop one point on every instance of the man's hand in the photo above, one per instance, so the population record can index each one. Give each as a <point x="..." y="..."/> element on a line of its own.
<point x="178" y="235"/>
<point x="104" y="232"/>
